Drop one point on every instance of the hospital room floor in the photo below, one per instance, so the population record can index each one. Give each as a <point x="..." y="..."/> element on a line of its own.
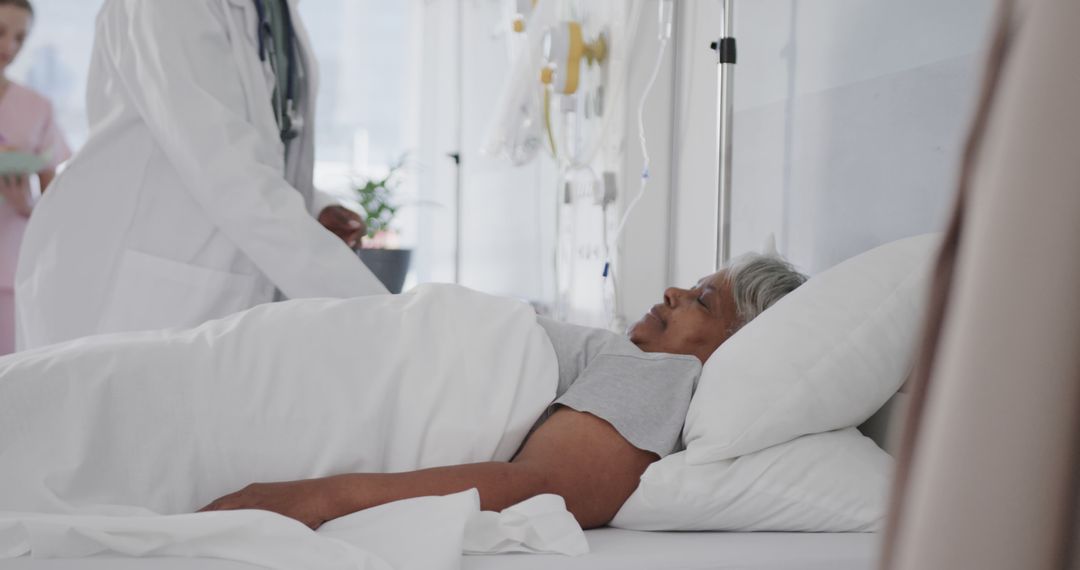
<point x="611" y="549"/>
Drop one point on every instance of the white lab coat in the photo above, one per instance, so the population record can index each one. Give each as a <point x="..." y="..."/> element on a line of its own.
<point x="179" y="209"/>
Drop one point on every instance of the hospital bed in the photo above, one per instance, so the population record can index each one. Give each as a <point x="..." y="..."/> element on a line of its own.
<point x="616" y="549"/>
<point x="608" y="547"/>
<point x="611" y="549"/>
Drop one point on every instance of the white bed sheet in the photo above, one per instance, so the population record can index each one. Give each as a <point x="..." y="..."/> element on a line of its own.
<point x="612" y="549"/>
<point x="616" y="549"/>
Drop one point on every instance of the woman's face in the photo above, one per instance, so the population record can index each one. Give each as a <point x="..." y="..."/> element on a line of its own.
<point x="690" y="321"/>
<point x="14" y="27"/>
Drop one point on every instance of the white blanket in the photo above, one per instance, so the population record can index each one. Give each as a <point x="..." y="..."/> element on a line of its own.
<point x="162" y="423"/>
<point x="427" y="533"/>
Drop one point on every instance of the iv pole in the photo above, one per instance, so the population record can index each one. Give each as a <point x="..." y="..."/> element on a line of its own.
<point x="725" y="85"/>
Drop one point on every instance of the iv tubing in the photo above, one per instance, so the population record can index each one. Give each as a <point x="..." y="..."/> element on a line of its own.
<point x="641" y="136"/>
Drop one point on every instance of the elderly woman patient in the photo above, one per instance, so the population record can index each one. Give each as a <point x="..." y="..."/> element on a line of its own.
<point x="619" y="405"/>
<point x="599" y="436"/>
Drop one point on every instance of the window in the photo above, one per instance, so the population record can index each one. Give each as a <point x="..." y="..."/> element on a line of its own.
<point x="361" y="46"/>
<point x="56" y="60"/>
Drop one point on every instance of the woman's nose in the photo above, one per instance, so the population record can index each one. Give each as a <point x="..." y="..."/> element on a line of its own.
<point x="672" y="295"/>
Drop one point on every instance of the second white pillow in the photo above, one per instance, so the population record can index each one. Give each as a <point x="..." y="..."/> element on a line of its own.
<point x="828" y="482"/>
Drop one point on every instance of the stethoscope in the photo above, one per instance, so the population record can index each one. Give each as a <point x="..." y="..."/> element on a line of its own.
<point x="293" y="121"/>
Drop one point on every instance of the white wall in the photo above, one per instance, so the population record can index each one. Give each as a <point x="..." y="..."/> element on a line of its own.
<point x="849" y="121"/>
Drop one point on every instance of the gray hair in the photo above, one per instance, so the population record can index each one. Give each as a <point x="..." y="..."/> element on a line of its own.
<point x="759" y="281"/>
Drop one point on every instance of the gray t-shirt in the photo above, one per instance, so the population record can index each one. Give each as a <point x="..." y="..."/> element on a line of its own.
<point x="644" y="396"/>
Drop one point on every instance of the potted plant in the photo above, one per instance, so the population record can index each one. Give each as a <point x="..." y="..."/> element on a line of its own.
<point x="378" y="248"/>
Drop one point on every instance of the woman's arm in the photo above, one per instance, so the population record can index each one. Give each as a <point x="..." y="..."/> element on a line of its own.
<point x="573" y="454"/>
<point x="13" y="189"/>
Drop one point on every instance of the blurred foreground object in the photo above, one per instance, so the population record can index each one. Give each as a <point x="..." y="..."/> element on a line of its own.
<point x="988" y="469"/>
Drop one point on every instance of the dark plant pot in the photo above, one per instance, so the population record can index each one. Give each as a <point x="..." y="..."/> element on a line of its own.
<point x="389" y="265"/>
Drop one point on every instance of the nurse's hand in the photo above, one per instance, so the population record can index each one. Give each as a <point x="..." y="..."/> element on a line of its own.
<point x="310" y="502"/>
<point x="344" y="223"/>
<point x="15" y="191"/>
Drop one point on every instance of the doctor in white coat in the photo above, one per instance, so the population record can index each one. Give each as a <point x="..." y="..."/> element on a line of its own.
<point x="185" y="204"/>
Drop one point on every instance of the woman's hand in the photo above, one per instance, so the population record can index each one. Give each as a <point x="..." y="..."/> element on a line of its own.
<point x="311" y="502"/>
<point x="15" y="191"/>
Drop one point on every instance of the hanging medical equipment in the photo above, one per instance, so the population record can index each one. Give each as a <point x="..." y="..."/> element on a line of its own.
<point x="565" y="49"/>
<point x="580" y="103"/>
<point x="725" y="99"/>
<point x="523" y="9"/>
<point x="565" y="95"/>
<point x="522" y="124"/>
<point x="568" y="59"/>
<point x="516" y="132"/>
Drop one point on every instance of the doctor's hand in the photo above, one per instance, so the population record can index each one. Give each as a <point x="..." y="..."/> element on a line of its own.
<point x="16" y="191"/>
<point x="344" y="223"/>
<point x="310" y="502"/>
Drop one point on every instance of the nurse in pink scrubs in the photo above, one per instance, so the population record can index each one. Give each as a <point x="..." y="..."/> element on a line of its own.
<point x="26" y="125"/>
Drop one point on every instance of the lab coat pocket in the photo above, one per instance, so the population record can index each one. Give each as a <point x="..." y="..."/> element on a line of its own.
<point x="153" y="292"/>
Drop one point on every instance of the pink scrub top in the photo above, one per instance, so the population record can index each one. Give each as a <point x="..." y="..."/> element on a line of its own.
<point x="26" y="123"/>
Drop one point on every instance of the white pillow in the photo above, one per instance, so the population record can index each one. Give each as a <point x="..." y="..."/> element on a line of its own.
<point x="825" y="357"/>
<point x="828" y="482"/>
